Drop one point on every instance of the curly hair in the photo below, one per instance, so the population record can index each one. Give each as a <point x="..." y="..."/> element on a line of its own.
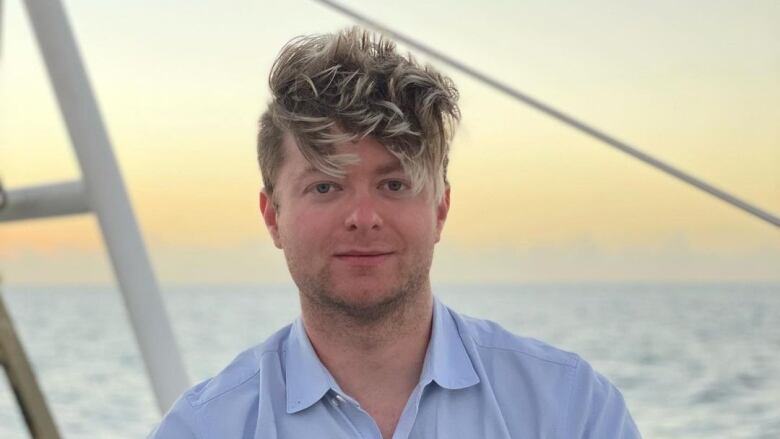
<point x="334" y="88"/>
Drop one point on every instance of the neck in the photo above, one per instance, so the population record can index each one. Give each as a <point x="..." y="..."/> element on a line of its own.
<point x="341" y="338"/>
<point x="377" y="362"/>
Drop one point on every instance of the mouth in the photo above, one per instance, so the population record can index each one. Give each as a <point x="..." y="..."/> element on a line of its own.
<point x="367" y="258"/>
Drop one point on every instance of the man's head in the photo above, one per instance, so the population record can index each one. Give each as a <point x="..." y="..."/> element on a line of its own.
<point x="334" y="88"/>
<point x="353" y="150"/>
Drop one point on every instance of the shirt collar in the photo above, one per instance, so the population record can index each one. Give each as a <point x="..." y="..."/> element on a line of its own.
<point x="307" y="378"/>
<point x="447" y="361"/>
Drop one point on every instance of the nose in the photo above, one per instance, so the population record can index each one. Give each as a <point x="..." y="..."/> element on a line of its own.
<point x="363" y="214"/>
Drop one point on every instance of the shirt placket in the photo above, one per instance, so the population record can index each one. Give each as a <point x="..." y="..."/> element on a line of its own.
<point x="409" y="415"/>
<point x="357" y="419"/>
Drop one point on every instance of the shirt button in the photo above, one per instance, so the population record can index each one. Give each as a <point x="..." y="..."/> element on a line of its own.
<point x="335" y="401"/>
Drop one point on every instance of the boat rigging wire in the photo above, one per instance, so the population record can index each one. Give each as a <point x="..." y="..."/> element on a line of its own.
<point x="559" y="115"/>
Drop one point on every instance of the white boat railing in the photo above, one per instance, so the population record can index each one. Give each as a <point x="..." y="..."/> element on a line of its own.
<point x="102" y="192"/>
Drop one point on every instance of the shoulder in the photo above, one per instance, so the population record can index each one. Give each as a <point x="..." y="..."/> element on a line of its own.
<point x="490" y="337"/>
<point x="596" y="407"/>
<point x="244" y="368"/>
<point x="563" y="382"/>
<point x="238" y="383"/>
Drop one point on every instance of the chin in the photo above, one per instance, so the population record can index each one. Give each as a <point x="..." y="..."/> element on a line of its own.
<point x="366" y="294"/>
<point x="366" y="302"/>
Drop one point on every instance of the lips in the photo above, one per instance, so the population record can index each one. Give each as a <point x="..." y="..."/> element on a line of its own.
<point x="363" y="257"/>
<point x="363" y="253"/>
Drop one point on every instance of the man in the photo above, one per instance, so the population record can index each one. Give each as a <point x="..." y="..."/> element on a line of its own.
<point x="353" y="151"/>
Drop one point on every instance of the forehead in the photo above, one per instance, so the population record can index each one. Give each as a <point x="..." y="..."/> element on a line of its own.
<point x="369" y="156"/>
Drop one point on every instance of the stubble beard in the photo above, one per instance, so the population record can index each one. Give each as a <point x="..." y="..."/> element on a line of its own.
<point x="318" y="293"/>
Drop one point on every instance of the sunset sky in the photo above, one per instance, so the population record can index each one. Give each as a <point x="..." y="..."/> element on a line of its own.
<point x="181" y="85"/>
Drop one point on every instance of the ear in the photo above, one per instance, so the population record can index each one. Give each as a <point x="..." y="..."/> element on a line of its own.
<point x="442" y="210"/>
<point x="268" y="211"/>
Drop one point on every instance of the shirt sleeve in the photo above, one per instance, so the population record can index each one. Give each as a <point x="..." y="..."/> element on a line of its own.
<point x="596" y="408"/>
<point x="178" y="423"/>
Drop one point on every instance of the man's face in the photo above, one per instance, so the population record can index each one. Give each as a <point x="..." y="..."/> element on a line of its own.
<point x="359" y="243"/>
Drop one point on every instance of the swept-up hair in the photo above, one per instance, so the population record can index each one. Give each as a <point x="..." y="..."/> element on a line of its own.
<point x="334" y="88"/>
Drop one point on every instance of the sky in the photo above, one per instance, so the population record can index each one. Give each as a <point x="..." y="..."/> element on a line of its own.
<point x="181" y="84"/>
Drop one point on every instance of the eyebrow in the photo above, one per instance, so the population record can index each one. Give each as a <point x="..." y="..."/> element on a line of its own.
<point x="384" y="169"/>
<point x="310" y="170"/>
<point x="389" y="168"/>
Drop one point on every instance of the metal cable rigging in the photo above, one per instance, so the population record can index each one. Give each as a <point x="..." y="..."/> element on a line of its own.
<point x="561" y="116"/>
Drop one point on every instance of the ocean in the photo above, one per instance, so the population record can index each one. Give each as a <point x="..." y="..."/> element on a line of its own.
<point x="693" y="361"/>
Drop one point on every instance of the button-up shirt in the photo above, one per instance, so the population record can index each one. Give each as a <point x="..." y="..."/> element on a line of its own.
<point x="478" y="381"/>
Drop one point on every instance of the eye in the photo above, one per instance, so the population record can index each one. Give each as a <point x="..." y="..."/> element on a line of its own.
<point x="323" y="188"/>
<point x="395" y="185"/>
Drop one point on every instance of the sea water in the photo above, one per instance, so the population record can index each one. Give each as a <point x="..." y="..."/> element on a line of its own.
<point x="692" y="361"/>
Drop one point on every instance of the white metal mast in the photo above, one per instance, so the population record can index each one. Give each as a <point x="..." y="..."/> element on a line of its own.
<point x="103" y="192"/>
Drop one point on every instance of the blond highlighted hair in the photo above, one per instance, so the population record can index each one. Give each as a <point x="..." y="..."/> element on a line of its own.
<point x="335" y="88"/>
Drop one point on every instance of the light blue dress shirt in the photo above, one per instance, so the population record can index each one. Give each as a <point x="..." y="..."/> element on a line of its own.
<point x="478" y="381"/>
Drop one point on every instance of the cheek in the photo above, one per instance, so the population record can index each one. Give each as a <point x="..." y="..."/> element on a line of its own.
<point x="418" y="229"/>
<point x="306" y="230"/>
